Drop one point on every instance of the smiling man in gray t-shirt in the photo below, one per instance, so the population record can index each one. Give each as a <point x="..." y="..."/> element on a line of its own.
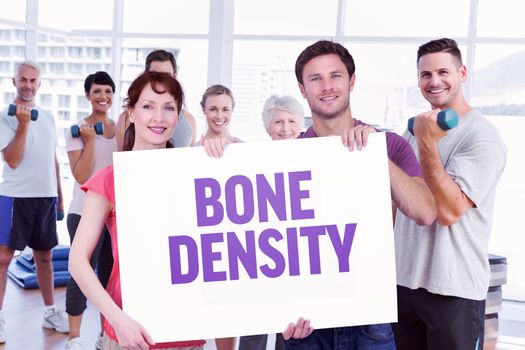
<point x="442" y="269"/>
<point x="30" y="192"/>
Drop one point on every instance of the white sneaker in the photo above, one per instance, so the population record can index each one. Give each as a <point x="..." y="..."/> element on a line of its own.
<point x="2" y="330"/>
<point x="57" y="320"/>
<point x="98" y="344"/>
<point x="73" y="344"/>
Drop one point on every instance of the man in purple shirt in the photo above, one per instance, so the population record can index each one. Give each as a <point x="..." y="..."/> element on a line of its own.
<point x="325" y="72"/>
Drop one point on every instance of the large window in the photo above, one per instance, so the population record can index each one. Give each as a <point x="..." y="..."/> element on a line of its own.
<point x="499" y="92"/>
<point x="499" y="79"/>
<point x="385" y="92"/>
<point x="12" y="50"/>
<point x="260" y="69"/>
<point x="501" y="19"/>
<point x="407" y="18"/>
<point x="66" y="61"/>
<point x="166" y="17"/>
<point x="291" y="17"/>
<point x="15" y="11"/>
<point x="75" y="15"/>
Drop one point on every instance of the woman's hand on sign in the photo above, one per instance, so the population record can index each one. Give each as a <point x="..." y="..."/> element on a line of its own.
<point x="130" y="334"/>
<point x="299" y="330"/>
<point x="215" y="147"/>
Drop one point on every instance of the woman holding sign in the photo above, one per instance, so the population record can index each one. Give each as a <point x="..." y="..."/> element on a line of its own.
<point x="154" y="101"/>
<point x="217" y="105"/>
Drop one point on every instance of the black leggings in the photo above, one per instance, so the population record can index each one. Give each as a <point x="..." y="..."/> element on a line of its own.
<point x="102" y="259"/>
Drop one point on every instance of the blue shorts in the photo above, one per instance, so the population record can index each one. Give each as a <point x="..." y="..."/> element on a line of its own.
<point x="28" y="222"/>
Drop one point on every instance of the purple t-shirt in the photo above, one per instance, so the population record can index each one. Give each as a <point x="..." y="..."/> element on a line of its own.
<point x="398" y="149"/>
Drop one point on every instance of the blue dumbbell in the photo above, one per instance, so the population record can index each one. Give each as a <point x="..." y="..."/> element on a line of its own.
<point x="60" y="215"/>
<point x="447" y="119"/>
<point x="99" y="129"/>
<point x="12" y="111"/>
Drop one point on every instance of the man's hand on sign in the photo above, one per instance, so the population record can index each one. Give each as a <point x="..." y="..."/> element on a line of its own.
<point x="298" y="330"/>
<point x="357" y="137"/>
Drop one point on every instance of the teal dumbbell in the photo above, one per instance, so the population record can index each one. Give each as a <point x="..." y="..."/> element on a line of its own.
<point x="12" y="111"/>
<point x="447" y="119"/>
<point x="99" y="129"/>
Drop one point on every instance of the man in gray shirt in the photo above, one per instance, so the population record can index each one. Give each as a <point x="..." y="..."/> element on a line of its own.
<point x="30" y="191"/>
<point x="442" y="269"/>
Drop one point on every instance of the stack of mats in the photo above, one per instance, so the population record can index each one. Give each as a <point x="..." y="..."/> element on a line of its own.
<point x="498" y="277"/>
<point x="22" y="268"/>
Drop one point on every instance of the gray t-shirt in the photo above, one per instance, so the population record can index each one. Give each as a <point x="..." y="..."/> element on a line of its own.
<point x="183" y="133"/>
<point x="453" y="260"/>
<point x="35" y="177"/>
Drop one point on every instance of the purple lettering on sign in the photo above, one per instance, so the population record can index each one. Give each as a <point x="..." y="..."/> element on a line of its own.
<point x="342" y="249"/>
<point x="202" y="202"/>
<point x="175" y="244"/>
<point x="266" y="195"/>
<point x="296" y="195"/>
<point x="245" y="252"/>
<point x="236" y="253"/>
<point x="272" y="252"/>
<point x="231" y="202"/>
<point x="293" y="251"/>
<point x="209" y="256"/>
<point x="313" y="233"/>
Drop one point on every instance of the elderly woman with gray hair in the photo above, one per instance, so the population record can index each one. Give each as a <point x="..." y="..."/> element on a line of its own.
<point x="283" y="117"/>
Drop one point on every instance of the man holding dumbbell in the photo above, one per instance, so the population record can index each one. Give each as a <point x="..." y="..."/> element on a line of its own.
<point x="442" y="269"/>
<point x="30" y="192"/>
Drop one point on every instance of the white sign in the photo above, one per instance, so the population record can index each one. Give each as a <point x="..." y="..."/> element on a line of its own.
<point x="249" y="242"/>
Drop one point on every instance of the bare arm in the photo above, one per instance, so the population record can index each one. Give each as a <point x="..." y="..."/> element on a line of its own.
<point x="225" y="343"/>
<point x="120" y="131"/>
<point x="191" y="121"/>
<point x="412" y="196"/>
<point x="96" y="210"/>
<point x="394" y="211"/>
<point x="60" y="204"/>
<point x="14" y="152"/>
<point x="409" y="194"/>
<point x="82" y="161"/>
<point x="451" y="202"/>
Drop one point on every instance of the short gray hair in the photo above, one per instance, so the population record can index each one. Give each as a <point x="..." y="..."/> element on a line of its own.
<point x="282" y="103"/>
<point x="27" y="64"/>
